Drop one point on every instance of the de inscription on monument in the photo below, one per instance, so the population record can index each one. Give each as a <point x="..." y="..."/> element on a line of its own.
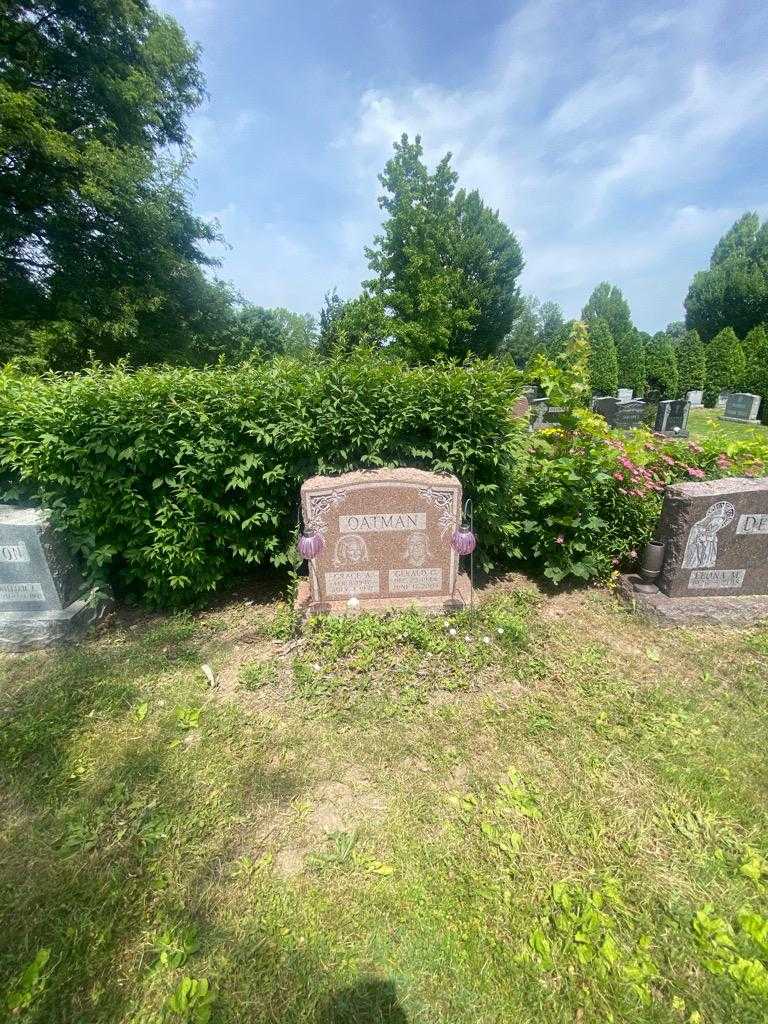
<point x="43" y="599"/>
<point x="715" y="568"/>
<point x="387" y="541"/>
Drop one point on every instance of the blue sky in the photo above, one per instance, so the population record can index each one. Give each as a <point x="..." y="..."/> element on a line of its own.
<point x="617" y="139"/>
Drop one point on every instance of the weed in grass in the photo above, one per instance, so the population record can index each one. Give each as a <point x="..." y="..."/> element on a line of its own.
<point x="258" y="674"/>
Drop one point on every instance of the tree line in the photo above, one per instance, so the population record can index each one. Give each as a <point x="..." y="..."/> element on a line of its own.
<point x="101" y="256"/>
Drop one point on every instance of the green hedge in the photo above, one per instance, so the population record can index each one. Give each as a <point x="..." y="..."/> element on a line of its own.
<point x="173" y="481"/>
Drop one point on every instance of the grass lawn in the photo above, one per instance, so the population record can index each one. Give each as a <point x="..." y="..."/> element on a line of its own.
<point x="709" y="421"/>
<point x="377" y="821"/>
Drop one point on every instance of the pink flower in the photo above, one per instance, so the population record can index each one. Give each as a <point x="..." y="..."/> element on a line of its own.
<point x="618" y="476"/>
<point x="693" y="471"/>
<point x="559" y="539"/>
<point x="633" y="553"/>
<point x="615" y="561"/>
<point x="669" y="461"/>
<point x="695" y="447"/>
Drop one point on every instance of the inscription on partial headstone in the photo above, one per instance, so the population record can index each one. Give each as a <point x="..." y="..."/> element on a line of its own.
<point x="41" y="591"/>
<point x="387" y="534"/>
<point x="716" y="537"/>
<point x="629" y="415"/>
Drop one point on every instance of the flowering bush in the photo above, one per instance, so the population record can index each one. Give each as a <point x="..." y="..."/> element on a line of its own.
<point x="592" y="496"/>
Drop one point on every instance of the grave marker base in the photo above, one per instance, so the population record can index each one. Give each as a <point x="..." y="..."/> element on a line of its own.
<point x="683" y="611"/>
<point x="439" y="605"/>
<point x="29" y="631"/>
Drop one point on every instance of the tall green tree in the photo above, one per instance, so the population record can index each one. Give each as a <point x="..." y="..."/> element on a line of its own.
<point x="755" y="376"/>
<point x="523" y="336"/>
<point x="754" y="379"/>
<point x="631" y="356"/>
<point x="551" y="322"/>
<point x="298" y="332"/>
<point x="98" y="246"/>
<point x="608" y="303"/>
<point x="445" y="266"/>
<point x="725" y="365"/>
<point x="734" y="291"/>
<point x="661" y="365"/>
<point x="603" y="360"/>
<point x="691" y="363"/>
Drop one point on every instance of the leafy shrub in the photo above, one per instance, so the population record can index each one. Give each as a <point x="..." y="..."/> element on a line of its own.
<point x="725" y="365"/>
<point x="592" y="496"/>
<point x="170" y="481"/>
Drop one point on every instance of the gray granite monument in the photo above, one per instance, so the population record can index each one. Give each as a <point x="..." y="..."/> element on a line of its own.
<point x="696" y="398"/>
<point x="715" y="567"/>
<point x="545" y="414"/>
<point x="672" y="418"/>
<point x="742" y="407"/>
<point x="43" y="599"/>
<point x="625" y="394"/>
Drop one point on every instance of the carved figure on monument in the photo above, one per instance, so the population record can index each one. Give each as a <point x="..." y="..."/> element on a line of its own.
<point x="701" y="548"/>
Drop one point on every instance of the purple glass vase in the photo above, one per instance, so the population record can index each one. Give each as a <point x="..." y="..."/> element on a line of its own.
<point x="463" y="540"/>
<point x="310" y="544"/>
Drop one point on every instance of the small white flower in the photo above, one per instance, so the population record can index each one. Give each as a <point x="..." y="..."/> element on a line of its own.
<point x="451" y="632"/>
<point x="469" y="639"/>
<point x="486" y="639"/>
<point x="500" y="631"/>
<point x="353" y="602"/>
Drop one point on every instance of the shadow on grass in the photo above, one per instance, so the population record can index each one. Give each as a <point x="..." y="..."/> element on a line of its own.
<point x="371" y="1001"/>
<point x="115" y="827"/>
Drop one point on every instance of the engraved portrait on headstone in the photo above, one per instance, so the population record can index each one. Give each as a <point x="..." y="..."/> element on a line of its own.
<point x="417" y="550"/>
<point x="701" y="548"/>
<point x="351" y="549"/>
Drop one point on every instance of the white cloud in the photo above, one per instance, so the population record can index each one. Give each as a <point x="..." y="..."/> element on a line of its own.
<point x="590" y="163"/>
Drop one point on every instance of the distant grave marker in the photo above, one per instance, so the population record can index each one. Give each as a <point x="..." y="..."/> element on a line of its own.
<point x="742" y="407"/>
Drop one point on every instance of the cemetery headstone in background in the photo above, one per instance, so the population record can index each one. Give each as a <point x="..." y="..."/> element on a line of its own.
<point x="672" y="418"/>
<point x="696" y="398"/>
<point x="715" y="536"/>
<point x="387" y="541"/>
<point x="625" y="394"/>
<point x="544" y="414"/>
<point x="629" y="414"/>
<point x="606" y="407"/>
<point x="43" y="599"/>
<point x="742" y="407"/>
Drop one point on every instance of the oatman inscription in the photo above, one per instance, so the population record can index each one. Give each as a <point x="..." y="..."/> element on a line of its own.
<point x="386" y="540"/>
<point x="42" y="596"/>
<point x="716" y="538"/>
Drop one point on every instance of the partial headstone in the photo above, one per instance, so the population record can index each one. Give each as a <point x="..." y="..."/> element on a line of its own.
<point x="715" y="536"/>
<point x="742" y="407"/>
<point x="625" y="394"/>
<point x="606" y="407"/>
<point x="545" y="415"/>
<point x="43" y="599"/>
<point x="672" y="418"/>
<point x="387" y="541"/>
<point x="629" y="414"/>
<point x="696" y="398"/>
<point x="722" y="399"/>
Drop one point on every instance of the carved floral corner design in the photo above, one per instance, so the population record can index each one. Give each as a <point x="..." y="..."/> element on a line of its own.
<point x="444" y="501"/>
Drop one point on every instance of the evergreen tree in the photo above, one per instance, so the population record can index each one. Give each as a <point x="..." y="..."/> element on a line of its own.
<point x="691" y="363"/>
<point x="445" y="266"/>
<point x="725" y="364"/>
<point x="551" y="322"/>
<point x="524" y="335"/>
<point x="607" y="303"/>
<point x="631" y="355"/>
<point x="603" y="360"/>
<point x="559" y="340"/>
<point x="733" y="292"/>
<point x="661" y="366"/>
<point x="755" y="377"/>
